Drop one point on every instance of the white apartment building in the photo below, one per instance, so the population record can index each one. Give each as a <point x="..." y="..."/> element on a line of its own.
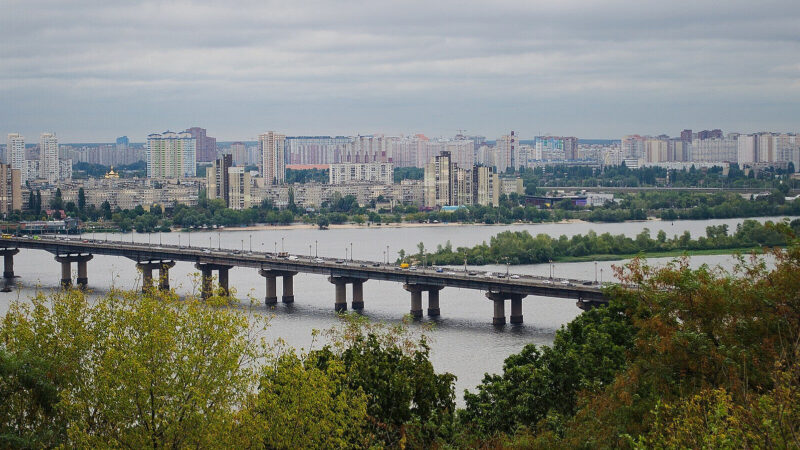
<point x="273" y="156"/>
<point x="48" y="157"/>
<point x="171" y="155"/>
<point x="15" y="151"/>
<point x="359" y="172"/>
<point x="366" y="149"/>
<point x="714" y="150"/>
<point x="506" y="152"/>
<point x="747" y="149"/>
<point x="239" y="188"/>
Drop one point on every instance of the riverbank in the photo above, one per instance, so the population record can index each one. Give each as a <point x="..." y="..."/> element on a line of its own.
<point x="348" y="226"/>
<point x="667" y="254"/>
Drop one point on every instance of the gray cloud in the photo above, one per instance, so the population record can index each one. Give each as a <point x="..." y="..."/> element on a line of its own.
<point x="91" y="70"/>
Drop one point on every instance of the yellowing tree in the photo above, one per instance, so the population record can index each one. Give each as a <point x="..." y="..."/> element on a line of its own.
<point x="138" y="370"/>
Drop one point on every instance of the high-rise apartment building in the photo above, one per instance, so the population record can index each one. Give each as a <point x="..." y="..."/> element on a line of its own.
<point x="239" y="196"/>
<point x="171" y="155"/>
<point x="10" y="189"/>
<point x="656" y="150"/>
<point x="686" y="135"/>
<point x="205" y="146"/>
<point x="273" y="150"/>
<point x="48" y="157"/>
<point x="766" y="148"/>
<point x="713" y="150"/>
<point x="438" y="181"/>
<point x="15" y="154"/>
<point x="747" y="149"/>
<point x="345" y="173"/>
<point x="239" y="154"/>
<point x="367" y="149"/>
<point x="316" y="149"/>
<point x="446" y="184"/>
<point x="506" y="152"/>
<point x="217" y="183"/>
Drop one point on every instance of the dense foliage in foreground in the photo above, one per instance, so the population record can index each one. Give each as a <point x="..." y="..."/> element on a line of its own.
<point x="690" y="358"/>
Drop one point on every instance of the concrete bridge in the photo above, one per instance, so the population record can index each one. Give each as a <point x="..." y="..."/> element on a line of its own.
<point x="148" y="258"/>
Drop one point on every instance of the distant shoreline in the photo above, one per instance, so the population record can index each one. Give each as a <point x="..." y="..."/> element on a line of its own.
<point x="310" y="226"/>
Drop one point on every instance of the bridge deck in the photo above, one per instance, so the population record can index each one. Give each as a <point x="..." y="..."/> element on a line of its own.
<point x="367" y="270"/>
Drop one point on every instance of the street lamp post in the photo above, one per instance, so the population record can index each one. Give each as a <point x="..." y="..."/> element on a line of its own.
<point x="251" y="243"/>
<point x="601" y="275"/>
<point x="276" y="246"/>
<point x="595" y="272"/>
<point x="550" y="263"/>
<point x="209" y="241"/>
<point x="345" y="254"/>
<point x="351" y="251"/>
<point x="282" y="249"/>
<point x="316" y="248"/>
<point x="219" y="240"/>
<point x="309" y="250"/>
<point x="242" y="245"/>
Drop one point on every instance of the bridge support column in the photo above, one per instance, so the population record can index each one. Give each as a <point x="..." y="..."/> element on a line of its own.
<point x="66" y="274"/>
<point x="66" y="269"/>
<point x="586" y="305"/>
<point x="433" y="302"/>
<point x="83" y="272"/>
<point x="8" y="262"/>
<point x="207" y="286"/>
<point x="516" y="309"/>
<point x="499" y="299"/>
<point x="272" y="286"/>
<point x="147" y="275"/>
<point x="499" y="312"/>
<point x="205" y="280"/>
<point x="223" y="281"/>
<point x="272" y="296"/>
<point x="416" y="299"/>
<point x="358" y="295"/>
<point x="288" y="289"/>
<point x="163" y="274"/>
<point x="341" y="297"/>
<point x="341" y="292"/>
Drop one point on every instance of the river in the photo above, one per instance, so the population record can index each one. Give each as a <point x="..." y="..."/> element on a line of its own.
<point x="463" y="340"/>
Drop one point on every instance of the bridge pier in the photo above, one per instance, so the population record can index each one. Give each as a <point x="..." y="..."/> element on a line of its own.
<point x="586" y="305"/>
<point x="147" y="269"/>
<point x="66" y="269"/>
<point x="358" y="295"/>
<point x="340" y="284"/>
<point x="416" y="299"/>
<point x="272" y="286"/>
<point x="206" y="282"/>
<point x="8" y="262"/>
<point x="341" y="297"/>
<point x="499" y="299"/>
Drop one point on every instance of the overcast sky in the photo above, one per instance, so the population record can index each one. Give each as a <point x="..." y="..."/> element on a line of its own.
<point x="94" y="70"/>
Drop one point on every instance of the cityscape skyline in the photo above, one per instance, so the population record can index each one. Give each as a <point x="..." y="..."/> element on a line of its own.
<point x="597" y="70"/>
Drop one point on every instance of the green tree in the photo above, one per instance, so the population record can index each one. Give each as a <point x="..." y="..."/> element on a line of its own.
<point x="407" y="401"/>
<point x="137" y="370"/>
<point x="81" y="200"/>
<point x="302" y="405"/>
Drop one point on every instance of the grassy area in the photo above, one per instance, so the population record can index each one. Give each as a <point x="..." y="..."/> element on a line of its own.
<point x="671" y="253"/>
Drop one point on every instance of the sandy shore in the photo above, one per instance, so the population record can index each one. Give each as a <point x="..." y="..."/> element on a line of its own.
<point x="308" y="226"/>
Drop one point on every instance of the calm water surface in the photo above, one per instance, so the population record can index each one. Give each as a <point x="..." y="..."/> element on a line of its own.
<point x="463" y="341"/>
